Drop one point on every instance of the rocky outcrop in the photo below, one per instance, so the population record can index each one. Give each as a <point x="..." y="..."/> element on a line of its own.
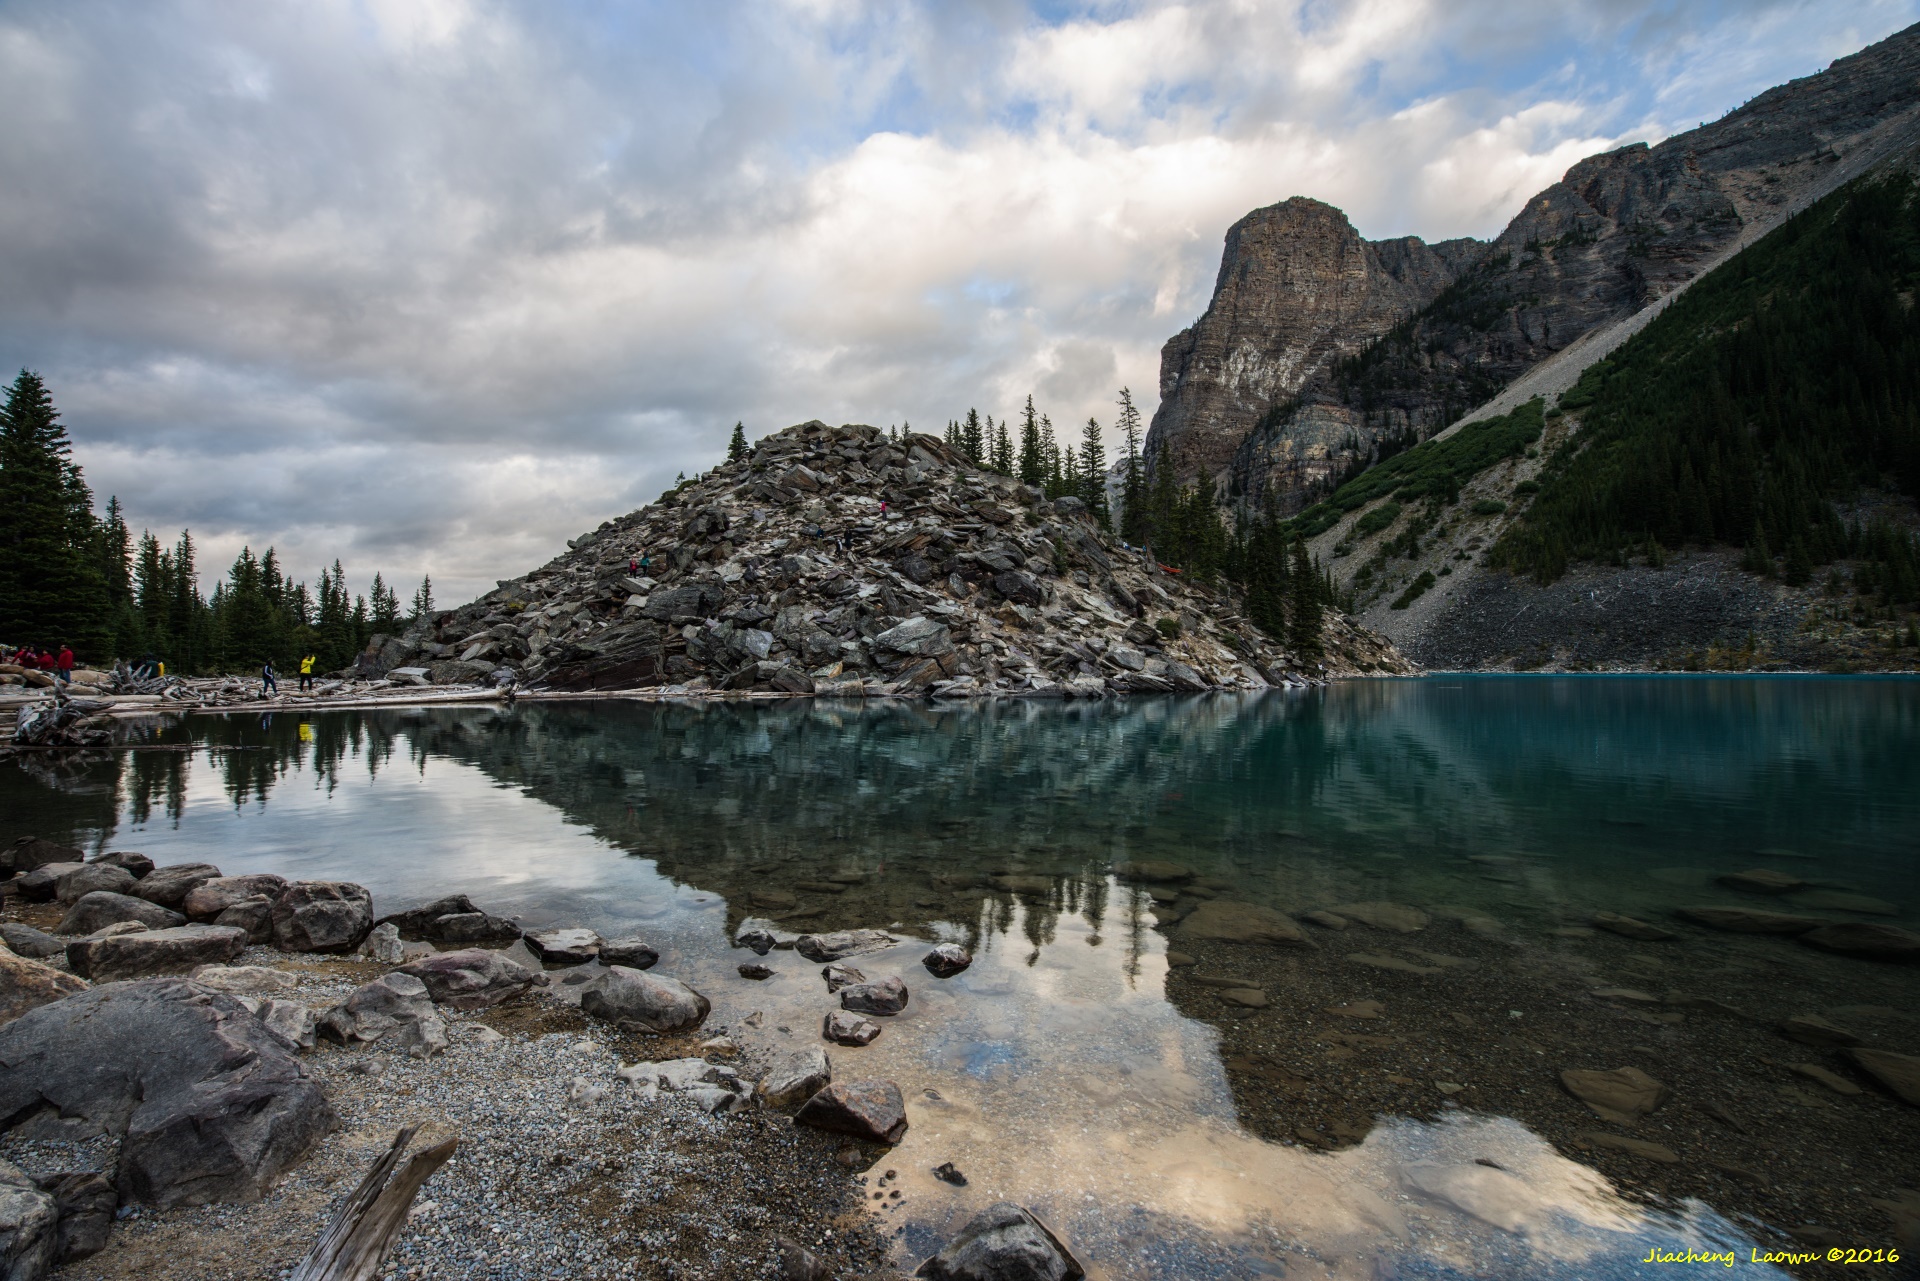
<point x="839" y="561"/>
<point x="1298" y="290"/>
<point x="1258" y="380"/>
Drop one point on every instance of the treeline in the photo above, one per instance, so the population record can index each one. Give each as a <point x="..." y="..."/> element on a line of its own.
<point x="68" y="577"/>
<point x="1037" y="458"/>
<point x="1775" y="389"/>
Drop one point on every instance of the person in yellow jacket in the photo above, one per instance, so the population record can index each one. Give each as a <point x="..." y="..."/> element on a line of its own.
<point x="306" y="672"/>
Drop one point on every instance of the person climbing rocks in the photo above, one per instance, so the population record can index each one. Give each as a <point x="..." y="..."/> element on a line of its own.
<point x="267" y="683"/>
<point x="306" y="671"/>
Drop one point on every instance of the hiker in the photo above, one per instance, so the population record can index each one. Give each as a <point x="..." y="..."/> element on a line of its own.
<point x="63" y="665"/>
<point x="633" y="566"/>
<point x="306" y="672"/>
<point x="267" y="682"/>
<point x="646" y="563"/>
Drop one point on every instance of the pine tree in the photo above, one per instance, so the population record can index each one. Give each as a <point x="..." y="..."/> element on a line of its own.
<point x="1304" y="612"/>
<point x="423" y="599"/>
<point x="1033" y="450"/>
<point x="973" y="438"/>
<point x="737" y="446"/>
<point x="386" y="607"/>
<point x="1133" y="483"/>
<point x="52" y="591"/>
<point x="1093" y="472"/>
<point x="1002" y="448"/>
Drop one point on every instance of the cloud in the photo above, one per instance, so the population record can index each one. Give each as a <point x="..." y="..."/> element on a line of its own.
<point x="432" y="287"/>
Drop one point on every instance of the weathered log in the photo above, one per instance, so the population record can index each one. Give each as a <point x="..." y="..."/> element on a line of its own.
<point x="356" y="1244"/>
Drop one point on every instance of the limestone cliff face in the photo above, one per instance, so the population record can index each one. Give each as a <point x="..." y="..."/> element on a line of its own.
<point x="1298" y="290"/>
<point x="1620" y="230"/>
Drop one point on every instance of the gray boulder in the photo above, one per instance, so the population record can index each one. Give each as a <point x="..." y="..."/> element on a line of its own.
<point x="138" y="864"/>
<point x="321" y="916"/>
<point x="86" y="1202"/>
<point x="30" y="852"/>
<point x="101" y="908"/>
<point x="27" y="985"/>
<point x="35" y="945"/>
<point x="947" y="960"/>
<point x="169" y="886"/>
<point x="635" y="998"/>
<point x="207" y="1103"/>
<point x="796" y="1077"/>
<point x="254" y="915"/>
<point x="114" y="958"/>
<point x="43" y="882"/>
<point x="453" y="921"/>
<point x="396" y="1003"/>
<point x="844" y="1028"/>
<point x="473" y="978"/>
<point x="1004" y="1242"/>
<point x="564" y="947"/>
<point x="868" y="1110"/>
<point x="88" y="877"/>
<point x="205" y="901"/>
<point x="634" y="953"/>
<point x="29" y="1226"/>
<point x="842" y="943"/>
<point x="884" y="996"/>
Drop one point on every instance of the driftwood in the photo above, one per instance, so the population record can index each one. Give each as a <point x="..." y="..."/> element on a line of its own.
<point x="362" y="1234"/>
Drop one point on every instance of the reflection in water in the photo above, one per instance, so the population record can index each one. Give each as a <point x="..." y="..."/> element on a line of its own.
<point x="1056" y="1071"/>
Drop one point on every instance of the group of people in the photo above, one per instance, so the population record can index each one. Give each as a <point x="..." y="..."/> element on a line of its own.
<point x="270" y="682"/>
<point x="57" y="665"/>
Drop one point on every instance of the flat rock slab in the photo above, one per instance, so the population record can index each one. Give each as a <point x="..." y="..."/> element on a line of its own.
<point x="250" y="980"/>
<point x="1869" y="939"/>
<point x="173" y="951"/>
<point x="473" y="978"/>
<point x="794" y="1078"/>
<point x="843" y="1027"/>
<point x="1358" y="1010"/>
<point x="42" y="884"/>
<point x="638" y="998"/>
<point x="27" y="985"/>
<point x="1762" y="880"/>
<point x="1749" y="920"/>
<point x="1004" y="1242"/>
<point x="634" y="953"/>
<point x="1900" y="1073"/>
<point x="1246" y="998"/>
<point x="35" y="945"/>
<point x="1841" y="901"/>
<point x="566" y="947"/>
<point x="94" y="911"/>
<point x="208" y="1104"/>
<point x="1380" y="961"/>
<point x="1622" y="1095"/>
<point x="1811" y="1029"/>
<point x="93" y="876"/>
<point x="205" y="901"/>
<point x="1629" y="927"/>
<point x="169" y="886"/>
<point x="868" y="1110"/>
<point x="1832" y="1080"/>
<point x="1327" y="920"/>
<point x="1152" y="870"/>
<point x="886" y="996"/>
<point x="947" y="960"/>
<point x="841" y="944"/>
<point x="1395" y="917"/>
<point x="1232" y="922"/>
<point x="1632" y="1147"/>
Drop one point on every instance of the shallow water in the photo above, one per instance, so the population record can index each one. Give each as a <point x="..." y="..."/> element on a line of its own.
<point x="1056" y="1071"/>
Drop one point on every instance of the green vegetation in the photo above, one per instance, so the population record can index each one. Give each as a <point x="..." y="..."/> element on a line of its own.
<point x="1782" y="384"/>
<point x="1414" y="589"/>
<point x="1376" y="520"/>
<point x="1061" y="473"/>
<point x="1488" y="507"/>
<point x="1432" y="469"/>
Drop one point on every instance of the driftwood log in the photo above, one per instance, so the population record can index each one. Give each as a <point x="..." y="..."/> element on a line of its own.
<point x="363" y="1232"/>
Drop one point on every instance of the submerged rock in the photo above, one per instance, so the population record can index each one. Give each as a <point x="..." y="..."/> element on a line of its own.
<point x="1900" y="1073"/>
<point x="947" y="960"/>
<point x="1397" y="918"/>
<point x="1628" y="927"/>
<point x="1866" y="938"/>
<point x="565" y="947"/>
<point x="1233" y="922"/>
<point x="1750" y="920"/>
<point x="842" y="944"/>
<point x="1762" y="880"/>
<point x="634" y="953"/>
<point x="1004" y="1242"/>
<point x="796" y="1077"/>
<point x="869" y="1110"/>
<point x="886" y="996"/>
<point x="845" y="1028"/>
<point x="1622" y="1095"/>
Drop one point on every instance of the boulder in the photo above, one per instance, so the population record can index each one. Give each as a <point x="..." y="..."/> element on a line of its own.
<point x="43" y="882"/>
<point x="30" y="852"/>
<point x="796" y="1077"/>
<point x="869" y="1110"/>
<point x="1900" y="1073"/>
<point x="138" y="864"/>
<point x="248" y="980"/>
<point x="35" y="945"/>
<point x="295" y="1024"/>
<point x="29" y="1226"/>
<point x="1749" y="920"/>
<point x="634" y="953"/>
<point x="169" y="886"/>
<point x="1232" y="922"/>
<point x="636" y="998"/>
<point x="842" y="943"/>
<point x="473" y="978"/>
<point x="947" y="960"/>
<point x="321" y="916"/>
<point x="396" y="1003"/>
<point x="205" y="901"/>
<point x="415" y="922"/>
<point x="888" y="996"/>
<point x="565" y="947"/>
<point x="1762" y="880"/>
<point x="383" y="946"/>
<point x="1395" y="917"/>
<point x="1628" y="927"/>
<point x="111" y="959"/>
<point x="1621" y="1096"/>
<point x="254" y="915"/>
<point x="472" y="929"/>
<point x="86" y="1201"/>
<point x="101" y="908"/>
<point x="27" y="985"/>
<point x="88" y="877"/>
<point x="208" y="1104"/>
<point x="839" y="976"/>
<point x="1004" y="1242"/>
<point x="1870" y="939"/>
<point x="845" y="1028"/>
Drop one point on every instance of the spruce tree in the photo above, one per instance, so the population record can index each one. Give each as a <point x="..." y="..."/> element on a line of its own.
<point x="1304" y="616"/>
<point x="1002" y="449"/>
<point x="1033" y="451"/>
<point x="423" y="599"/>
<point x="52" y="591"/>
<point x="737" y="446"/>
<point x="973" y="438"/>
<point x="1093" y="472"/>
<point x="1133" y="483"/>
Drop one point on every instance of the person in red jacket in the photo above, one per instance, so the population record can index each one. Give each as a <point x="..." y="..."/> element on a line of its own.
<point x="64" y="665"/>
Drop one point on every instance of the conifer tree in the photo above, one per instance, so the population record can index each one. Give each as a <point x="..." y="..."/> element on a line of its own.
<point x="423" y="599"/>
<point x="52" y="591"/>
<point x="1133" y="482"/>
<point x="973" y="438"/>
<point x="1093" y="472"/>
<point x="386" y="606"/>
<point x="737" y="445"/>
<point x="1304" y="612"/>
<point x="1033" y="450"/>
<point x="1002" y="449"/>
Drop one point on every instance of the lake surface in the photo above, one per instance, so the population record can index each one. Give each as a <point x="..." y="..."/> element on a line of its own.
<point x="1059" y="1071"/>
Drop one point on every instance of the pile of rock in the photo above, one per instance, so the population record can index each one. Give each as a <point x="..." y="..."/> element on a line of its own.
<point x="835" y="560"/>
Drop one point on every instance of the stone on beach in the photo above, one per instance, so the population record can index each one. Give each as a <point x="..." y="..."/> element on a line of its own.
<point x="321" y="916"/>
<point x="1869" y="939"/>
<point x="89" y="877"/>
<point x="638" y="998"/>
<point x="29" y="852"/>
<point x="1232" y="922"/>
<point x="93" y="912"/>
<point x="29" y="1226"/>
<point x="885" y="996"/>
<point x="243" y="979"/>
<point x="111" y="959"/>
<point x="796" y="1077"/>
<point x="843" y="1027"/>
<point x="169" y="886"/>
<point x="209" y="1105"/>
<point x="1397" y="918"/>
<point x="35" y="945"/>
<point x="138" y="864"/>
<point x="634" y="953"/>
<point x="384" y="946"/>
<point x="947" y="960"/>
<point x="869" y="1110"/>
<point x="564" y="947"/>
<point x="394" y="1003"/>
<point x="1811" y="1029"/>
<point x="1762" y="880"/>
<point x="28" y="984"/>
<point x="254" y="915"/>
<point x="842" y="943"/>
<point x="473" y="978"/>
<point x="1632" y="1147"/>
<point x="1004" y="1242"/>
<point x="453" y="919"/>
<point x="43" y="882"/>
<point x="207" y="900"/>
<point x="1622" y="1095"/>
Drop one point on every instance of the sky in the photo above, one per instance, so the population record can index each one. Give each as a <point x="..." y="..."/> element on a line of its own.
<point x="431" y="286"/>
